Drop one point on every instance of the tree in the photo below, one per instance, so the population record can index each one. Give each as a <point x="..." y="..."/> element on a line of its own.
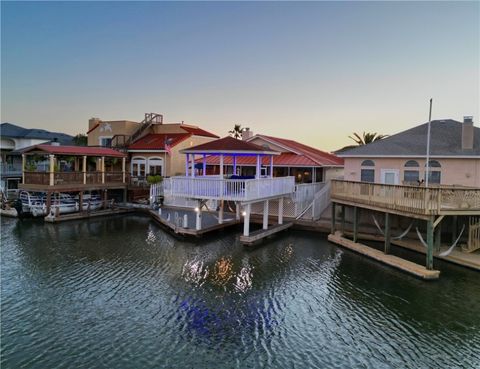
<point x="80" y="140"/>
<point x="366" y="138"/>
<point x="236" y="132"/>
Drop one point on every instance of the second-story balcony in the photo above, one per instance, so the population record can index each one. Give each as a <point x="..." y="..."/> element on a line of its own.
<point x="10" y="170"/>
<point x="218" y="188"/>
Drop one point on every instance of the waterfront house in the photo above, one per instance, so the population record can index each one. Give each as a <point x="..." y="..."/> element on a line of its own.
<point x="305" y="163"/>
<point x="153" y="147"/>
<point x="401" y="158"/>
<point x="15" y="138"/>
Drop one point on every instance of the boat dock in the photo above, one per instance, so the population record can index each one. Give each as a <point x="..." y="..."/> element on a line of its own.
<point x="86" y="215"/>
<point x="256" y="236"/>
<point x="388" y="259"/>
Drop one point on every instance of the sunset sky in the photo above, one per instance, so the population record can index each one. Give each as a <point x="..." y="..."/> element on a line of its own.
<point x="313" y="72"/>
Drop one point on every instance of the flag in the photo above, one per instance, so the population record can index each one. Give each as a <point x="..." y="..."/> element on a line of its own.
<point x="168" y="148"/>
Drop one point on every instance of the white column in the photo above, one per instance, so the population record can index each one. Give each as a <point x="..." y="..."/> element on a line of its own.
<point x="24" y="162"/>
<point x="124" y="160"/>
<point x="186" y="164"/>
<point x="237" y="210"/>
<point x="257" y="172"/>
<point x="220" y="213"/>
<point x="246" y="220"/>
<point x="84" y="169"/>
<point x="234" y="164"/>
<point x="102" y="168"/>
<point x="221" y="165"/>
<point x="280" y="211"/>
<point x="314" y="175"/>
<point x="204" y="169"/>
<point x="198" y="218"/>
<point x="52" y="169"/>
<point x="271" y="166"/>
<point x="265" y="214"/>
<point x="193" y="165"/>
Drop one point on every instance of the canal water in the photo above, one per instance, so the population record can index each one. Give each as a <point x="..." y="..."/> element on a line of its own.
<point x="121" y="293"/>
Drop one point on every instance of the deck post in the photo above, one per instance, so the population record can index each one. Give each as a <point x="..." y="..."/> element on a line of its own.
<point x="334" y="215"/>
<point x="280" y="210"/>
<point x="265" y="214"/>
<point x="84" y="169"/>
<point x="438" y="237"/>
<point x="105" y="197"/>
<point x="246" y="220"/>
<point x="387" y="233"/>
<point x="187" y="160"/>
<point x="204" y="165"/>
<point x="234" y="165"/>
<point x="271" y="166"/>
<point x="49" y="201"/>
<point x="429" y="261"/>
<point x="52" y="169"/>
<point x="342" y="229"/>
<point x="198" y="217"/>
<point x="102" y="168"/>
<point x="237" y="210"/>
<point x="221" y="165"/>
<point x="24" y="162"/>
<point x="355" y="223"/>
<point x="80" y="201"/>
<point x="220" y="213"/>
<point x="193" y="165"/>
<point x="123" y="169"/>
<point x="454" y="228"/>
<point x="257" y="170"/>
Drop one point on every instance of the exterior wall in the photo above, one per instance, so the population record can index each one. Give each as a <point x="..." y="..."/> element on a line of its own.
<point x="461" y="172"/>
<point x="119" y="127"/>
<point x="332" y="173"/>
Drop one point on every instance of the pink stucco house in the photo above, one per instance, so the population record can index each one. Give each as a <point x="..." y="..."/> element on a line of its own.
<point x="401" y="158"/>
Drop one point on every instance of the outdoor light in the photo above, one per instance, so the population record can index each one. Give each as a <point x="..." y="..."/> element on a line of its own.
<point x="197" y="210"/>
<point x="244" y="213"/>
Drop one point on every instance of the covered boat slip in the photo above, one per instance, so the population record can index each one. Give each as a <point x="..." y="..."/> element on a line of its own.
<point x="55" y="169"/>
<point x="432" y="207"/>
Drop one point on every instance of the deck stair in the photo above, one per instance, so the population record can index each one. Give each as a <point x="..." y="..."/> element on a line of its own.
<point x="147" y="122"/>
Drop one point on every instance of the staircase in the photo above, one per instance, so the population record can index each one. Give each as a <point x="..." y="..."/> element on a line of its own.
<point x="321" y="200"/>
<point x="150" y="119"/>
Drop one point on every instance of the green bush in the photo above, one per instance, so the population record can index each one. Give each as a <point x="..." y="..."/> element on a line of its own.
<point x="154" y="179"/>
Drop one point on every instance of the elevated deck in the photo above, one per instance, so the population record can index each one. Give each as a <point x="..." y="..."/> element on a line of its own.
<point x="263" y="233"/>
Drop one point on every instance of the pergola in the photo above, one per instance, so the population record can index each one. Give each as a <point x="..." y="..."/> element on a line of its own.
<point x="224" y="147"/>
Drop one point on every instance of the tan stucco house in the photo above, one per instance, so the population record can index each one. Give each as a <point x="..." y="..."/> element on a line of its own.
<point x="401" y="158"/>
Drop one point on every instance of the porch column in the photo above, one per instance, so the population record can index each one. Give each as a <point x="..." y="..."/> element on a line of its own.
<point x="257" y="171"/>
<point x="246" y="220"/>
<point x="84" y="169"/>
<point x="221" y="165"/>
<point x="193" y="165"/>
<point x="280" y="211"/>
<point x="265" y="214"/>
<point x="234" y="165"/>
<point x="271" y="166"/>
<point x="187" y="159"/>
<point x="52" y="169"/>
<point x="24" y="162"/>
<point x="124" y="160"/>
<point x="204" y="169"/>
<point x="220" y="212"/>
<point x="387" y="233"/>
<point x="102" y="168"/>
<point x="429" y="260"/>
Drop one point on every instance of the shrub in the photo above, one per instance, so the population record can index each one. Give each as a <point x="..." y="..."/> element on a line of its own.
<point x="154" y="179"/>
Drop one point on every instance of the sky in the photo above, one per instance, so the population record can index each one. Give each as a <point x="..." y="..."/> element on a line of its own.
<point x="310" y="71"/>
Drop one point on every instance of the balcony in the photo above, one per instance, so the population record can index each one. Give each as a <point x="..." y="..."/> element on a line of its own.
<point x="72" y="180"/>
<point x="11" y="170"/>
<point x="216" y="188"/>
<point x="408" y="200"/>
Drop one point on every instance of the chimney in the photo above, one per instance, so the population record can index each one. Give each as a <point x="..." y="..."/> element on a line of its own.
<point x="467" y="133"/>
<point x="246" y="134"/>
<point x="92" y="122"/>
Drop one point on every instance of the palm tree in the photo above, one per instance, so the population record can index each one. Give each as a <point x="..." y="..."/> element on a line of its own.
<point x="366" y="138"/>
<point x="236" y="132"/>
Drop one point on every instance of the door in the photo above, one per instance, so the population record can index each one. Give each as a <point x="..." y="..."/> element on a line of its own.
<point x="390" y="176"/>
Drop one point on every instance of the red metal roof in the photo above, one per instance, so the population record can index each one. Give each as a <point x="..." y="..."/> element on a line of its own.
<point x="75" y="150"/>
<point x="197" y="131"/>
<point x="284" y="159"/>
<point x="156" y="141"/>
<point x="321" y="158"/>
<point x="229" y="145"/>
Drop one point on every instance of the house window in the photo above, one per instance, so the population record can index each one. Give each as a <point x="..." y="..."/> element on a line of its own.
<point x="138" y="166"/>
<point x="435" y="175"/>
<point x="367" y="174"/>
<point x="105" y="141"/>
<point x="411" y="175"/>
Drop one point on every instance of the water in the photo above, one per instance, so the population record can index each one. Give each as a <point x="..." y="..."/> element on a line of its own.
<point x="122" y="293"/>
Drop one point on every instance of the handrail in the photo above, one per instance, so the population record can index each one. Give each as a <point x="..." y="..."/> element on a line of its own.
<point x="149" y="119"/>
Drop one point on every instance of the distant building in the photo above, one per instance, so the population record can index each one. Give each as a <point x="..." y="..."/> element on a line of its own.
<point x="401" y="158"/>
<point x="14" y="138"/>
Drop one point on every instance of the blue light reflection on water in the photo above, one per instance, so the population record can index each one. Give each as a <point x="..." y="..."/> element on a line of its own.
<point x="120" y="292"/>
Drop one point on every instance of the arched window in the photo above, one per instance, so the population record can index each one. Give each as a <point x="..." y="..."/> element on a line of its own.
<point x="367" y="175"/>
<point x="411" y="176"/>
<point x="368" y="163"/>
<point x="435" y="174"/>
<point x="138" y="166"/>
<point x="155" y="166"/>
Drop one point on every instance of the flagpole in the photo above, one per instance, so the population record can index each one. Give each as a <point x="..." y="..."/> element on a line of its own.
<point x="427" y="167"/>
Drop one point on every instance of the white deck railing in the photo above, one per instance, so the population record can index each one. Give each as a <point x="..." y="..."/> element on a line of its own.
<point x="228" y="189"/>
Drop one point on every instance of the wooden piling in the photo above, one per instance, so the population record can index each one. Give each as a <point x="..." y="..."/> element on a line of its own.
<point x="387" y="233"/>
<point x="429" y="261"/>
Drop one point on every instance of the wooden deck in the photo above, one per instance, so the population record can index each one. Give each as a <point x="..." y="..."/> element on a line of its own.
<point x="86" y="215"/>
<point x="263" y="233"/>
<point x="387" y="259"/>
<point x="412" y="201"/>
<point x="71" y="187"/>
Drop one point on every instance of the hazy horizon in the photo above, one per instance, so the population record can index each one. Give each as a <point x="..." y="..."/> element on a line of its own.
<point x="312" y="72"/>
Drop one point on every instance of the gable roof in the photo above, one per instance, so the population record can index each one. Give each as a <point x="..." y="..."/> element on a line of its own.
<point x="14" y="131"/>
<point x="229" y="145"/>
<point x="316" y="156"/>
<point x="156" y="141"/>
<point x="445" y="140"/>
<point x="197" y="131"/>
<point x="74" y="150"/>
<point x="285" y="159"/>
